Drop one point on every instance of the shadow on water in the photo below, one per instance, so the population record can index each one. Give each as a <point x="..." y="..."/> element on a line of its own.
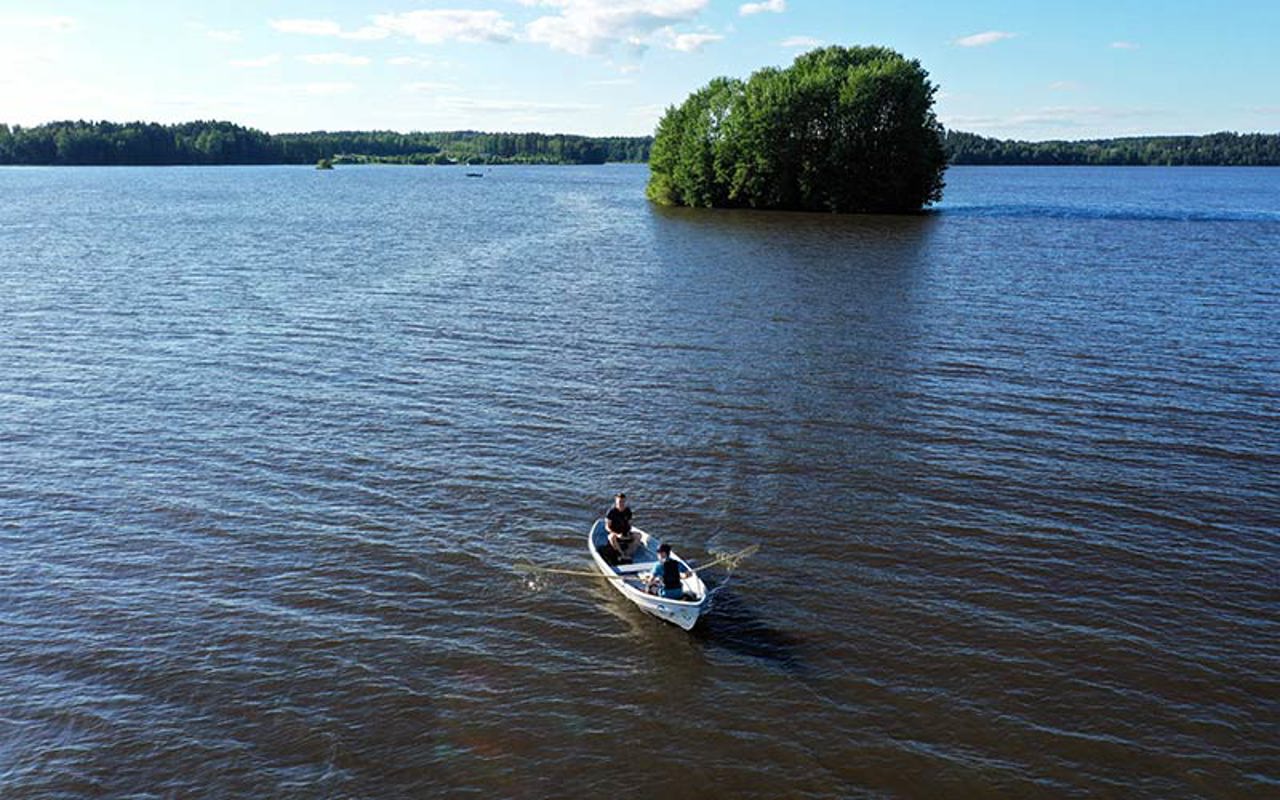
<point x="732" y="625"/>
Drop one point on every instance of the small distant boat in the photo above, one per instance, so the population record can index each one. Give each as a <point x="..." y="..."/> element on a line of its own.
<point x="475" y="174"/>
<point x="630" y="579"/>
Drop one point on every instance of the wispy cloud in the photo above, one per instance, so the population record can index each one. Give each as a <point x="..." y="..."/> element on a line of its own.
<point x="341" y="59"/>
<point x="1065" y="86"/>
<point x="436" y="26"/>
<point x="525" y="108"/>
<point x="983" y="39"/>
<point x="47" y="22"/>
<point x="1125" y="45"/>
<point x="800" y="41"/>
<point x="1056" y="116"/>
<point x="256" y="63"/>
<point x="328" y="89"/>
<point x="413" y="61"/>
<point x="684" y="42"/>
<point x="587" y="27"/>
<point x="774" y="6"/>
<point x="326" y="27"/>
<point x="429" y="87"/>
<point x="307" y="27"/>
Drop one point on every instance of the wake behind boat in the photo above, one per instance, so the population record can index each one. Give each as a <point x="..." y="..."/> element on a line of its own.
<point x="630" y="578"/>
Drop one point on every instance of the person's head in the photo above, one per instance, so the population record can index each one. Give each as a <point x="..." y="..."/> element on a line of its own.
<point x="620" y="500"/>
<point x="664" y="551"/>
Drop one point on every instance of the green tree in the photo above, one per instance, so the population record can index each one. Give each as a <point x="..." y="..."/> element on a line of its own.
<point x="842" y="129"/>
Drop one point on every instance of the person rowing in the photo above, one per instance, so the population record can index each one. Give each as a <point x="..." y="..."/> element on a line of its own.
<point x="665" y="580"/>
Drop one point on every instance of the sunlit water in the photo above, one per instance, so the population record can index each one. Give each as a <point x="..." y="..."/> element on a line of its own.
<point x="271" y="437"/>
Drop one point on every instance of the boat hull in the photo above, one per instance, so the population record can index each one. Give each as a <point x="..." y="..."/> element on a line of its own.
<point x="629" y="580"/>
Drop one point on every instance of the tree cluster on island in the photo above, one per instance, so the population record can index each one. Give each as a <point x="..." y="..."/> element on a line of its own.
<point x="843" y="129"/>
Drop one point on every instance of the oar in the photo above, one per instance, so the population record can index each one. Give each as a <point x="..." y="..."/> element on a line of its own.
<point x="733" y="557"/>
<point x="580" y="573"/>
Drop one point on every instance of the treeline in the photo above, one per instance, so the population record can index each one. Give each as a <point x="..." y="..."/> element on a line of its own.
<point x="140" y="143"/>
<point x="1215" y="149"/>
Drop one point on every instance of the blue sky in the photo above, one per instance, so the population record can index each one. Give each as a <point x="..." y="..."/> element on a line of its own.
<point x="1025" y="70"/>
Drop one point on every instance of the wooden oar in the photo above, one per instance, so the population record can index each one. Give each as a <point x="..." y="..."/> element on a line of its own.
<point x="579" y="573"/>
<point x="731" y="557"/>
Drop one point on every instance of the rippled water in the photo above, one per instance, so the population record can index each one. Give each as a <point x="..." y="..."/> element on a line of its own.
<point x="270" y="437"/>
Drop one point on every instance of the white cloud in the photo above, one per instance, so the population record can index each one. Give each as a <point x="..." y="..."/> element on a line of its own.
<point x="684" y="42"/>
<point x="594" y="26"/>
<point x="983" y="39"/>
<point x="775" y="6"/>
<point x="227" y="36"/>
<point x="443" y="25"/>
<point x="256" y="63"/>
<point x="613" y="82"/>
<point x="1125" y="46"/>
<point x="342" y="59"/>
<point x="38" y="22"/>
<point x="800" y="41"/>
<point x="1065" y="86"/>
<point x="326" y="27"/>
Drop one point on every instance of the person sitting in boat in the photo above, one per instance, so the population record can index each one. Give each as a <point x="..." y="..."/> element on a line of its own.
<point x="622" y="540"/>
<point x="666" y="576"/>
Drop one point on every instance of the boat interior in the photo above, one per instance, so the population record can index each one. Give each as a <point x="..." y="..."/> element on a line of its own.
<point x="641" y="562"/>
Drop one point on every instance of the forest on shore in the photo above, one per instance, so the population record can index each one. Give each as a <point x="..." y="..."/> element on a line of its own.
<point x="142" y="143"/>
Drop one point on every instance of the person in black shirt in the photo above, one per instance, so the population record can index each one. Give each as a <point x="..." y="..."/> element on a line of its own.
<point x="622" y="540"/>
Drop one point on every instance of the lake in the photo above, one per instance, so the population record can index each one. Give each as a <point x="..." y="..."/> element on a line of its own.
<point x="271" y="438"/>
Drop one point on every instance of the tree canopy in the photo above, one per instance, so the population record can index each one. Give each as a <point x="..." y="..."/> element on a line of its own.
<point x="201" y="142"/>
<point x="1214" y="149"/>
<point x="843" y="129"/>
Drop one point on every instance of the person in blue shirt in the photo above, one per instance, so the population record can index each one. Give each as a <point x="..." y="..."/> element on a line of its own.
<point x="665" y="579"/>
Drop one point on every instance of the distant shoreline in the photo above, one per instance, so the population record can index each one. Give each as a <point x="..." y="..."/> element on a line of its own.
<point x="208" y="143"/>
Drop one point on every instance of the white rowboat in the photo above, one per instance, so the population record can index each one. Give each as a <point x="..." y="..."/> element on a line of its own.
<point x="630" y="579"/>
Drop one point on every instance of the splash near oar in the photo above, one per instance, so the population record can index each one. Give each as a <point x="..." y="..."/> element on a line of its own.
<point x="731" y="560"/>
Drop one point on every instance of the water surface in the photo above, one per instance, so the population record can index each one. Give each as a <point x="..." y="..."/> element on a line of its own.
<point x="269" y="438"/>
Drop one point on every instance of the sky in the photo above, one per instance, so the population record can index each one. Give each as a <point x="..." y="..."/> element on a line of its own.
<point x="1026" y="70"/>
